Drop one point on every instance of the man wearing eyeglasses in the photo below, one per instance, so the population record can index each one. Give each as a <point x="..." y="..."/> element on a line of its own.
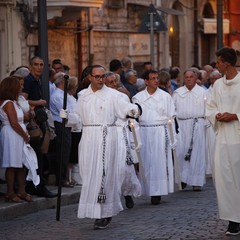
<point x="98" y="107"/>
<point x="158" y="108"/>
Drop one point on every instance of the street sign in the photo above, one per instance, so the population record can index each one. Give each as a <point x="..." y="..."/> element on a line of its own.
<point x="157" y="22"/>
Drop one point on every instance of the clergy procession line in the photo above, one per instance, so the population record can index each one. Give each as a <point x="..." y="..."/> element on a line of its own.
<point x="141" y="136"/>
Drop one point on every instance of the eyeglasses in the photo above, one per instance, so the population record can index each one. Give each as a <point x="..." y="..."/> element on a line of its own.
<point x="98" y="77"/>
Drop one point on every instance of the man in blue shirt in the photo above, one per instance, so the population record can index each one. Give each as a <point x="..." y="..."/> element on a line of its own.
<point x="33" y="93"/>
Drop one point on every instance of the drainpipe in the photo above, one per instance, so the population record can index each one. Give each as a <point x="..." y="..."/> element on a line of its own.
<point x="219" y="24"/>
<point x="196" y="32"/>
<point x="90" y="37"/>
<point x="43" y="46"/>
<point x="79" y="46"/>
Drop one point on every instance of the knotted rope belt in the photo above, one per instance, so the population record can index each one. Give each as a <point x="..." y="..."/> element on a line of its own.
<point x="189" y="152"/>
<point x="129" y="158"/>
<point x="101" y="195"/>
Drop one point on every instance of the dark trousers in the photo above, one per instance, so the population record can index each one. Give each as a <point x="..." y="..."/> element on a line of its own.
<point x="65" y="154"/>
<point x="76" y="137"/>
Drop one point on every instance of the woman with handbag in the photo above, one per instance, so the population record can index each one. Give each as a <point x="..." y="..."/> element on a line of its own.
<point x="12" y="137"/>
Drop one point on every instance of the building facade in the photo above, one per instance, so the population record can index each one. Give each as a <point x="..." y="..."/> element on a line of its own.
<point x="81" y="33"/>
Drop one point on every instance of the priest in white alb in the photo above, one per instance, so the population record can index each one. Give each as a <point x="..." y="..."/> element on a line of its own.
<point x="98" y="107"/>
<point x="191" y="149"/>
<point x="157" y="110"/>
<point x="223" y="111"/>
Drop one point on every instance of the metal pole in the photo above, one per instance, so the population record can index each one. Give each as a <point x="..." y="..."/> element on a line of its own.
<point x="219" y="24"/>
<point x="43" y="46"/>
<point x="62" y="149"/>
<point x="152" y="39"/>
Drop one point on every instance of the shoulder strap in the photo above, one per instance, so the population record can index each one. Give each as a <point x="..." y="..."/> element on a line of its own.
<point x="5" y="102"/>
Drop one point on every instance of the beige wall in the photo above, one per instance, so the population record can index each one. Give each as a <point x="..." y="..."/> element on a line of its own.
<point x="107" y="39"/>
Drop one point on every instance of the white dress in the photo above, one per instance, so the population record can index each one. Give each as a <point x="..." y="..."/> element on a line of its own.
<point x="98" y="148"/>
<point x="11" y="143"/>
<point x="156" y="153"/>
<point x="190" y="110"/>
<point x="225" y="97"/>
<point x="128" y="181"/>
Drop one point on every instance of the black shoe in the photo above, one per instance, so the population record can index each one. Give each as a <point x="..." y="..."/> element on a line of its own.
<point x="233" y="229"/>
<point x="102" y="223"/>
<point x="183" y="184"/>
<point x="129" y="201"/>
<point x="155" y="200"/>
<point x="2" y="194"/>
<point x="2" y="181"/>
<point x="65" y="184"/>
<point x="30" y="188"/>
<point x="44" y="192"/>
<point x="197" y="188"/>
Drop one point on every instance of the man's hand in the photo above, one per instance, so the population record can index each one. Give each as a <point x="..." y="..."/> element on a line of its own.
<point x="63" y="113"/>
<point x="42" y="102"/>
<point x="138" y="147"/>
<point x="133" y="113"/>
<point x="226" y="117"/>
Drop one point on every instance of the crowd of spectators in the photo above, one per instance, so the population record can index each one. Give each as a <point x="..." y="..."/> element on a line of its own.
<point x="175" y="139"/>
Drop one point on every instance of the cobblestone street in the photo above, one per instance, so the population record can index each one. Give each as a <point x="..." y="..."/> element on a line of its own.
<point x="181" y="215"/>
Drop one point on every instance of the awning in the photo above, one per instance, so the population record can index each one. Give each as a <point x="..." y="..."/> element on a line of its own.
<point x="210" y="25"/>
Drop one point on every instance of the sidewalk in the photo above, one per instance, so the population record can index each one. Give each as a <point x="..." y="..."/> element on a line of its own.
<point x="9" y="211"/>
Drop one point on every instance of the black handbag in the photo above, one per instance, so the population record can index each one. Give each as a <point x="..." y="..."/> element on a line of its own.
<point x="40" y="115"/>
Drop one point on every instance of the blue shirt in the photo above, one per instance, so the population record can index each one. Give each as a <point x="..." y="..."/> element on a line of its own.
<point x="56" y="104"/>
<point x="32" y="87"/>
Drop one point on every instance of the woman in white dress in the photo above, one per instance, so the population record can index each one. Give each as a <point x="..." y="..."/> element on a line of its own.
<point x="12" y="137"/>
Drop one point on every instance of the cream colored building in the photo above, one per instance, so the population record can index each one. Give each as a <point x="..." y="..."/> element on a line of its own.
<point x="95" y="32"/>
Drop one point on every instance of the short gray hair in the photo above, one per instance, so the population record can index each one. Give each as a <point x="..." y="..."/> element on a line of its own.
<point x="22" y="71"/>
<point x="59" y="77"/>
<point x="129" y="73"/>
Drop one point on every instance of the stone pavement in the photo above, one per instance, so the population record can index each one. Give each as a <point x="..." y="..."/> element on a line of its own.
<point x="184" y="215"/>
<point x="9" y="210"/>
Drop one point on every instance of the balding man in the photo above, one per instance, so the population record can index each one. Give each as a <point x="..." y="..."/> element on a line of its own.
<point x="129" y="184"/>
<point x="56" y="104"/>
<point x="190" y="109"/>
<point x="131" y="78"/>
<point x="208" y="68"/>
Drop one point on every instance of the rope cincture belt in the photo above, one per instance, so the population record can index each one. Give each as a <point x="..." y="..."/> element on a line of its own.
<point x="101" y="195"/>
<point x="129" y="158"/>
<point x="189" y="152"/>
<point x="154" y="125"/>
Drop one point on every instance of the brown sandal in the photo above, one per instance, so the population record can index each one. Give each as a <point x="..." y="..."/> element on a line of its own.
<point x="25" y="196"/>
<point x="13" y="198"/>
